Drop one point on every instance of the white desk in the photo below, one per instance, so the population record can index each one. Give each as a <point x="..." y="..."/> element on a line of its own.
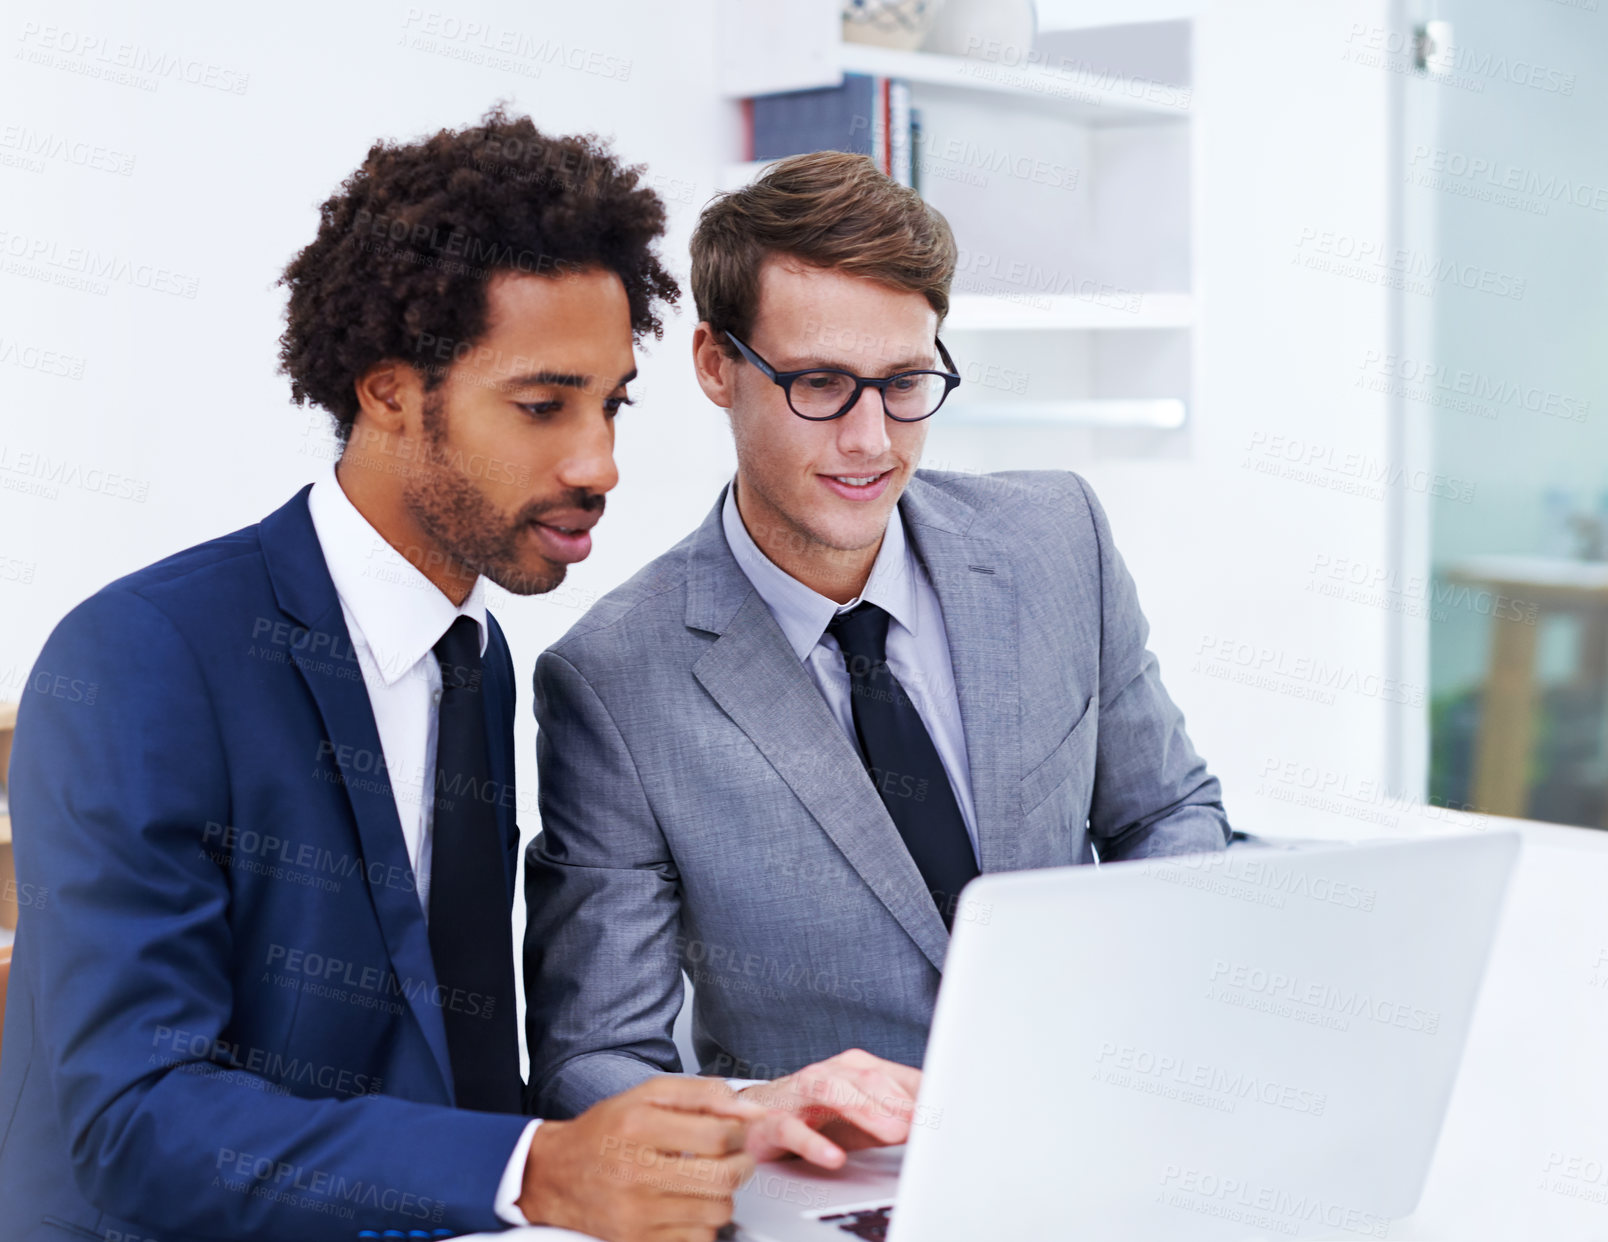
<point x="1525" y="1146"/>
<point x="1528" y="1122"/>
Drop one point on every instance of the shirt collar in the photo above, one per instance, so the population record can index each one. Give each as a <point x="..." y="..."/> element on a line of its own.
<point x="401" y="613"/>
<point x="803" y="613"/>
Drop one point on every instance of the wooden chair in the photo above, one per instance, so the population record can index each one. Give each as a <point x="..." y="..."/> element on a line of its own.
<point x="8" y="905"/>
<point x="5" y="978"/>
<point x="8" y="889"/>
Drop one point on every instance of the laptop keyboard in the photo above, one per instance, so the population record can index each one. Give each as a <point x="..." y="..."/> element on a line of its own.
<point x="870" y="1225"/>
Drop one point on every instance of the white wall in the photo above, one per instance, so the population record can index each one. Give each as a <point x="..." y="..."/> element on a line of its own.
<point x="181" y="393"/>
<point x="1291" y="142"/>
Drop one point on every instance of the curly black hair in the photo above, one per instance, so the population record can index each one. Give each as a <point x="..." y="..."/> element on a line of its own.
<point x="406" y="246"/>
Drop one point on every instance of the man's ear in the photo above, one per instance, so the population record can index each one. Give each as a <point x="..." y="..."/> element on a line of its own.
<point x="389" y="395"/>
<point x="715" y="368"/>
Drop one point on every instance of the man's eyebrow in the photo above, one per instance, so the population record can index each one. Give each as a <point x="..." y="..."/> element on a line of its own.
<point x="557" y="379"/>
<point x="832" y="364"/>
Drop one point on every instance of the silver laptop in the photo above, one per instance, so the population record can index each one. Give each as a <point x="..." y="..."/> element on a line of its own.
<point x="1250" y="1044"/>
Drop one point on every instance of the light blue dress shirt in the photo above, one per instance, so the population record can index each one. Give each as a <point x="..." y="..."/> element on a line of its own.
<point x="918" y="645"/>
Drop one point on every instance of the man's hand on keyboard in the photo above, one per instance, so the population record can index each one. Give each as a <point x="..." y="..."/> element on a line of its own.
<point x="851" y="1101"/>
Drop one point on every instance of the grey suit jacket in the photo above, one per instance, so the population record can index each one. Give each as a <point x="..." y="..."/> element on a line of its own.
<point x="702" y="810"/>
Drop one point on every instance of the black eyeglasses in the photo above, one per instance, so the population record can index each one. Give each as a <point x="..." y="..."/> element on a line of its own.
<point x="823" y="393"/>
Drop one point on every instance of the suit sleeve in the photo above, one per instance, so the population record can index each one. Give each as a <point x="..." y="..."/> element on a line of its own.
<point x="1152" y="792"/>
<point x="118" y="767"/>
<point x="602" y="963"/>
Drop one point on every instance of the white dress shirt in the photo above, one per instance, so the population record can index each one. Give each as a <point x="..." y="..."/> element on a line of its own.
<point x="918" y="644"/>
<point x="395" y="616"/>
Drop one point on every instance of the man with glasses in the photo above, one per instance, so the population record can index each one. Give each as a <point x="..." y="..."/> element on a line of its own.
<point x="268" y="781"/>
<point x="774" y="757"/>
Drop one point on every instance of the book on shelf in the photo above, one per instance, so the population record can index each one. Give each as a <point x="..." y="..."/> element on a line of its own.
<point x="900" y="142"/>
<point x="867" y="115"/>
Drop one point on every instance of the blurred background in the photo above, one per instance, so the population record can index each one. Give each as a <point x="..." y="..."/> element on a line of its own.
<point x="1312" y="293"/>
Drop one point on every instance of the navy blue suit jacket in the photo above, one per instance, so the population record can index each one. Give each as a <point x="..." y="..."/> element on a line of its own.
<point x="223" y="1021"/>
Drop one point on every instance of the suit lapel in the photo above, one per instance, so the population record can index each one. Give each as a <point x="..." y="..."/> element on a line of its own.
<point x="757" y="680"/>
<point x="971" y="575"/>
<point x="329" y="666"/>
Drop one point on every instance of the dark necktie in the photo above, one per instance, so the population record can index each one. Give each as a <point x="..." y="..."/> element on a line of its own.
<point x="901" y="759"/>
<point x="471" y="935"/>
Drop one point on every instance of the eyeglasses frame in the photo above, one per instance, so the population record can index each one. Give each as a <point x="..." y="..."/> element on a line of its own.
<point x="784" y="381"/>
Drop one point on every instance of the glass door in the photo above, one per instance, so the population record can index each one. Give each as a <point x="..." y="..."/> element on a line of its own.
<point x="1498" y="377"/>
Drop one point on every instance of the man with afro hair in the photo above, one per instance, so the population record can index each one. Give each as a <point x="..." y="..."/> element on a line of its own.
<point x="271" y="994"/>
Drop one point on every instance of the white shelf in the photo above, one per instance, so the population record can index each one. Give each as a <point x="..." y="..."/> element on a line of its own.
<point x="1082" y="95"/>
<point x="1159" y="413"/>
<point x="1108" y="311"/>
<point x="1126" y="330"/>
<point x="1058" y="15"/>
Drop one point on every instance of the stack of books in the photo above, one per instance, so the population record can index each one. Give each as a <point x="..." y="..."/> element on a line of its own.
<point x="867" y="115"/>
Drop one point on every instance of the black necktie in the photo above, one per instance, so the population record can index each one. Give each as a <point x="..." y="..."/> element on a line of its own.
<point x="901" y="759"/>
<point x="471" y="935"/>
